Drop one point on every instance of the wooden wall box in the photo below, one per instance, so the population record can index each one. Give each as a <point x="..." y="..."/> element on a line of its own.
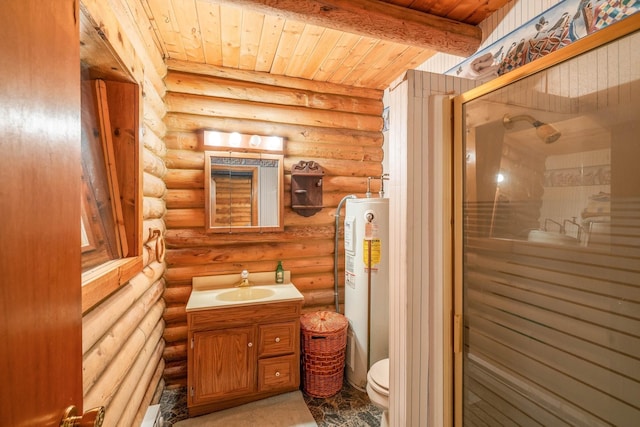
<point x="306" y="187"/>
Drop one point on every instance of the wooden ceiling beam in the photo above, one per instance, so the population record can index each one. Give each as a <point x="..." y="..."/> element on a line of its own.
<point x="373" y="18"/>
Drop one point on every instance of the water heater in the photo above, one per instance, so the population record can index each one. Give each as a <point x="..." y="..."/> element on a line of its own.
<point x="366" y="287"/>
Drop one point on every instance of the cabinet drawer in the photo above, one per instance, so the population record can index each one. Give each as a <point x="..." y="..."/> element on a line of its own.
<point x="278" y="338"/>
<point x="278" y="373"/>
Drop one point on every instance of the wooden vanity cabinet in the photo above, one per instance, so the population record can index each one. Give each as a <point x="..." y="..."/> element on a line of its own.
<point x="240" y="354"/>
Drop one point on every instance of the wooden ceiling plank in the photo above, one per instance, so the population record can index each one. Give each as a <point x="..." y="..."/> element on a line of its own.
<point x="145" y="31"/>
<point x="269" y="40"/>
<point x="306" y="45"/>
<point x="357" y="54"/>
<point x="252" y="23"/>
<point x="288" y="41"/>
<point x="433" y="6"/>
<point x="336" y="57"/>
<point x="230" y="25"/>
<point x="403" y="3"/>
<point x="481" y="13"/>
<point x="163" y="15"/>
<point x="375" y="60"/>
<point x="409" y="59"/>
<point x="272" y="79"/>
<point x="374" y="18"/>
<point x="187" y="18"/>
<point x="323" y="48"/>
<point x="464" y="10"/>
<point x="209" y="21"/>
<point x="157" y="35"/>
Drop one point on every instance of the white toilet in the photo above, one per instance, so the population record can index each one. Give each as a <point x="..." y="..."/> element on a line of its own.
<point x="378" y="388"/>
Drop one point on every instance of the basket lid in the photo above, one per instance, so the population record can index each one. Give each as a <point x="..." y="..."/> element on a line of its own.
<point x="323" y="321"/>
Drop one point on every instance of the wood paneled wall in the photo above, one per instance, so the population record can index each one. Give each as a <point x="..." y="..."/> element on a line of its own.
<point x="419" y="157"/>
<point x="338" y="127"/>
<point x="122" y="336"/>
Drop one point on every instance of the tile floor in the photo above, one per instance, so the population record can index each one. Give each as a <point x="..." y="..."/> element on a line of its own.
<point x="349" y="408"/>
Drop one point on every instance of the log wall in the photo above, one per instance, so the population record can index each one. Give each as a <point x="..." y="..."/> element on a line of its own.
<point x="336" y="126"/>
<point x="122" y="336"/>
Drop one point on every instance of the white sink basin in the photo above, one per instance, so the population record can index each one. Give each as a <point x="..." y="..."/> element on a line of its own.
<point x="207" y="298"/>
<point x="245" y="294"/>
<point x="550" y="237"/>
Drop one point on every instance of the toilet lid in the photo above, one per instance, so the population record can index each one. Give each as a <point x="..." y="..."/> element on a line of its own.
<point x="379" y="374"/>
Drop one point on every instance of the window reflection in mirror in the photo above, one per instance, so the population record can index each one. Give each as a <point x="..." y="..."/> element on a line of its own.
<point x="243" y="191"/>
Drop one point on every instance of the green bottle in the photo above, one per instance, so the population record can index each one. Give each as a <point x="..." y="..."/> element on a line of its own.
<point x="279" y="273"/>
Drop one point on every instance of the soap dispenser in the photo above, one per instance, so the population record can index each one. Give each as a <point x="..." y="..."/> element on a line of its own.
<point x="279" y="273"/>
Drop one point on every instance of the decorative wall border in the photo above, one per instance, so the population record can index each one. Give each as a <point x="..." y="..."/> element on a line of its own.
<point x="578" y="177"/>
<point x="562" y="24"/>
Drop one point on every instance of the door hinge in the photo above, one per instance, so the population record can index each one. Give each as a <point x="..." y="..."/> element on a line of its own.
<point x="191" y="391"/>
<point x="191" y="343"/>
<point x="457" y="333"/>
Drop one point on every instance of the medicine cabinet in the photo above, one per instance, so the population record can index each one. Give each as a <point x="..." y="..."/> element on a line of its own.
<point x="243" y="192"/>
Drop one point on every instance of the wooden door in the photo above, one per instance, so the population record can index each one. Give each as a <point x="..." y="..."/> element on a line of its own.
<point x="40" y="299"/>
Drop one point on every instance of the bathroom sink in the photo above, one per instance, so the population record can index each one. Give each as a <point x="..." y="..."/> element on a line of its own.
<point x="211" y="292"/>
<point x="541" y="236"/>
<point x="245" y="294"/>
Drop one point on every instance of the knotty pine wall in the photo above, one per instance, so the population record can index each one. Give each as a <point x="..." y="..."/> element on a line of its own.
<point x="122" y="336"/>
<point x="339" y="127"/>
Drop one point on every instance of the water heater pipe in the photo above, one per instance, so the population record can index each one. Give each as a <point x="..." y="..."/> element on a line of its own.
<point x="335" y="250"/>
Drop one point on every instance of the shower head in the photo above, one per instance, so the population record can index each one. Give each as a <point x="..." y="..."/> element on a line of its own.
<point x="545" y="131"/>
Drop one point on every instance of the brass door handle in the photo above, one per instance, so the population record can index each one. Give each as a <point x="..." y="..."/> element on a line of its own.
<point x="94" y="417"/>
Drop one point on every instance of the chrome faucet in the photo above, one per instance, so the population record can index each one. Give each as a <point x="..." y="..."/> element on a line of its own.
<point x="574" y="222"/>
<point x="245" y="279"/>
<point x="547" y="220"/>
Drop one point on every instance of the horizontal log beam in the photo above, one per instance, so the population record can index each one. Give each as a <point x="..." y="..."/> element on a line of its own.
<point x="178" y="294"/>
<point x="296" y="266"/>
<point x="249" y="110"/>
<point x="255" y="252"/>
<point x="376" y="19"/>
<point x="181" y="122"/>
<point x="198" y="84"/>
<point x="189" y="238"/>
<point x="273" y="80"/>
<point x="175" y="351"/>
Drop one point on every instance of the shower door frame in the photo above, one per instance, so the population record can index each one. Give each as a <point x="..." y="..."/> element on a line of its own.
<point x="593" y="41"/>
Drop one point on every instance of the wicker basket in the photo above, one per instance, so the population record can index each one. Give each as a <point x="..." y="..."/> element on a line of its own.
<point x="324" y="339"/>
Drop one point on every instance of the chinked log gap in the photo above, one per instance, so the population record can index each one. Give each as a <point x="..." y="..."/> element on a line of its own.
<point x="376" y="19"/>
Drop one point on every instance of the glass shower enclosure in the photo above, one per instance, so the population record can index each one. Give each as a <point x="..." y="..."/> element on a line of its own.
<point x="547" y="260"/>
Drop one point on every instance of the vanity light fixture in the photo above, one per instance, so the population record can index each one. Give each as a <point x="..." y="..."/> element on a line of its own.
<point x="212" y="140"/>
<point x="255" y="141"/>
<point x="235" y="139"/>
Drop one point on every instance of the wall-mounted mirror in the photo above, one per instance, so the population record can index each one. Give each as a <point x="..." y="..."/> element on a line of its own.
<point x="243" y="192"/>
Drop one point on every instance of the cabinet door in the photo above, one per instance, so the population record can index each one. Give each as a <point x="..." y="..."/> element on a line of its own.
<point x="224" y="363"/>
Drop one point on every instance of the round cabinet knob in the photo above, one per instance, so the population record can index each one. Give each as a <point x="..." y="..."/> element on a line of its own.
<point x="250" y="344"/>
<point x="277" y="339"/>
<point x="277" y="374"/>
